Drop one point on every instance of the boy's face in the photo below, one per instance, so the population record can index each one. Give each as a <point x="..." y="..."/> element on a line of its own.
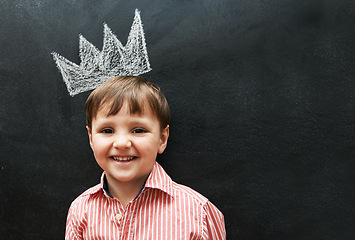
<point x="126" y="145"/>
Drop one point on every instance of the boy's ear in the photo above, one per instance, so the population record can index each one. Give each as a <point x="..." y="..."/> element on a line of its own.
<point x="163" y="139"/>
<point x="90" y="136"/>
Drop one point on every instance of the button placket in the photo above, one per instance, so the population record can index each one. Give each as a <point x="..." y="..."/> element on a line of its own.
<point x="118" y="217"/>
<point x="117" y="212"/>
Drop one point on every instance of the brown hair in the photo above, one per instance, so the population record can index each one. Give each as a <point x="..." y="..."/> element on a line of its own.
<point x="136" y="91"/>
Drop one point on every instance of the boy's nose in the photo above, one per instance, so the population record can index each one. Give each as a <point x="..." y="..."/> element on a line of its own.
<point x="122" y="142"/>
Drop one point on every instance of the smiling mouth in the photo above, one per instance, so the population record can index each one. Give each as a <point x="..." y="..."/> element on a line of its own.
<point x="123" y="159"/>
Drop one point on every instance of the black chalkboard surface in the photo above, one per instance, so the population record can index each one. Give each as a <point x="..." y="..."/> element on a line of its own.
<point x="262" y="95"/>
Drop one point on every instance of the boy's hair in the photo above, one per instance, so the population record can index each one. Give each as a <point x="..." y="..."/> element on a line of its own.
<point x="135" y="91"/>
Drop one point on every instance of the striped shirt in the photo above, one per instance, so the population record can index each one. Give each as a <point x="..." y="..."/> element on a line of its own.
<point x="164" y="210"/>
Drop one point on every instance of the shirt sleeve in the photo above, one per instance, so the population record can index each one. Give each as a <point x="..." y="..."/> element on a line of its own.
<point x="214" y="227"/>
<point x="74" y="226"/>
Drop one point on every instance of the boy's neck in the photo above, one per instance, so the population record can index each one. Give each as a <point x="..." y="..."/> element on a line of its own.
<point x="124" y="191"/>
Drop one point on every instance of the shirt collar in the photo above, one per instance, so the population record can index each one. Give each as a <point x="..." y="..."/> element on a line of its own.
<point x="105" y="185"/>
<point x="157" y="179"/>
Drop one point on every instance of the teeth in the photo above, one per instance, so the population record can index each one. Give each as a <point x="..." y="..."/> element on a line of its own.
<point x="122" y="158"/>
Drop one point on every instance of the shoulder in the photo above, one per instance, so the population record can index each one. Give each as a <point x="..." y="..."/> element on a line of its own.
<point x="78" y="212"/>
<point x="210" y="213"/>
<point x="83" y="200"/>
<point x="182" y="195"/>
<point x="182" y="191"/>
<point x="211" y="217"/>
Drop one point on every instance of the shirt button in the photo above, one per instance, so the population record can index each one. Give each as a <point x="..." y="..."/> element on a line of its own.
<point x="118" y="217"/>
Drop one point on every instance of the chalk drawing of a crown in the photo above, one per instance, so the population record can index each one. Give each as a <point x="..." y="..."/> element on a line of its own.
<point x="114" y="59"/>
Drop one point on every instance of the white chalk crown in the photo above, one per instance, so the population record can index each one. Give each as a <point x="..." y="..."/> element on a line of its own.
<point x="114" y="59"/>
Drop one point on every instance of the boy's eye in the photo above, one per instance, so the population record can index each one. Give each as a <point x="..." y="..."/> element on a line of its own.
<point x="106" y="130"/>
<point x="139" y="130"/>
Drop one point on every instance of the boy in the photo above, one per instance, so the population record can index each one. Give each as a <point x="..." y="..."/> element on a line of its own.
<point x="128" y="125"/>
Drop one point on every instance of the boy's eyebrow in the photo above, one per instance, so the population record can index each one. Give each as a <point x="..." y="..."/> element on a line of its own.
<point x="132" y="120"/>
<point x="139" y="121"/>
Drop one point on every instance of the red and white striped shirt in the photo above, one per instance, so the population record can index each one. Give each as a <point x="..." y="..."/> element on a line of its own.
<point x="164" y="210"/>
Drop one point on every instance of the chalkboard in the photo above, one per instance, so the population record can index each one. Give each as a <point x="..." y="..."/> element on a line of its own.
<point x="262" y="95"/>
